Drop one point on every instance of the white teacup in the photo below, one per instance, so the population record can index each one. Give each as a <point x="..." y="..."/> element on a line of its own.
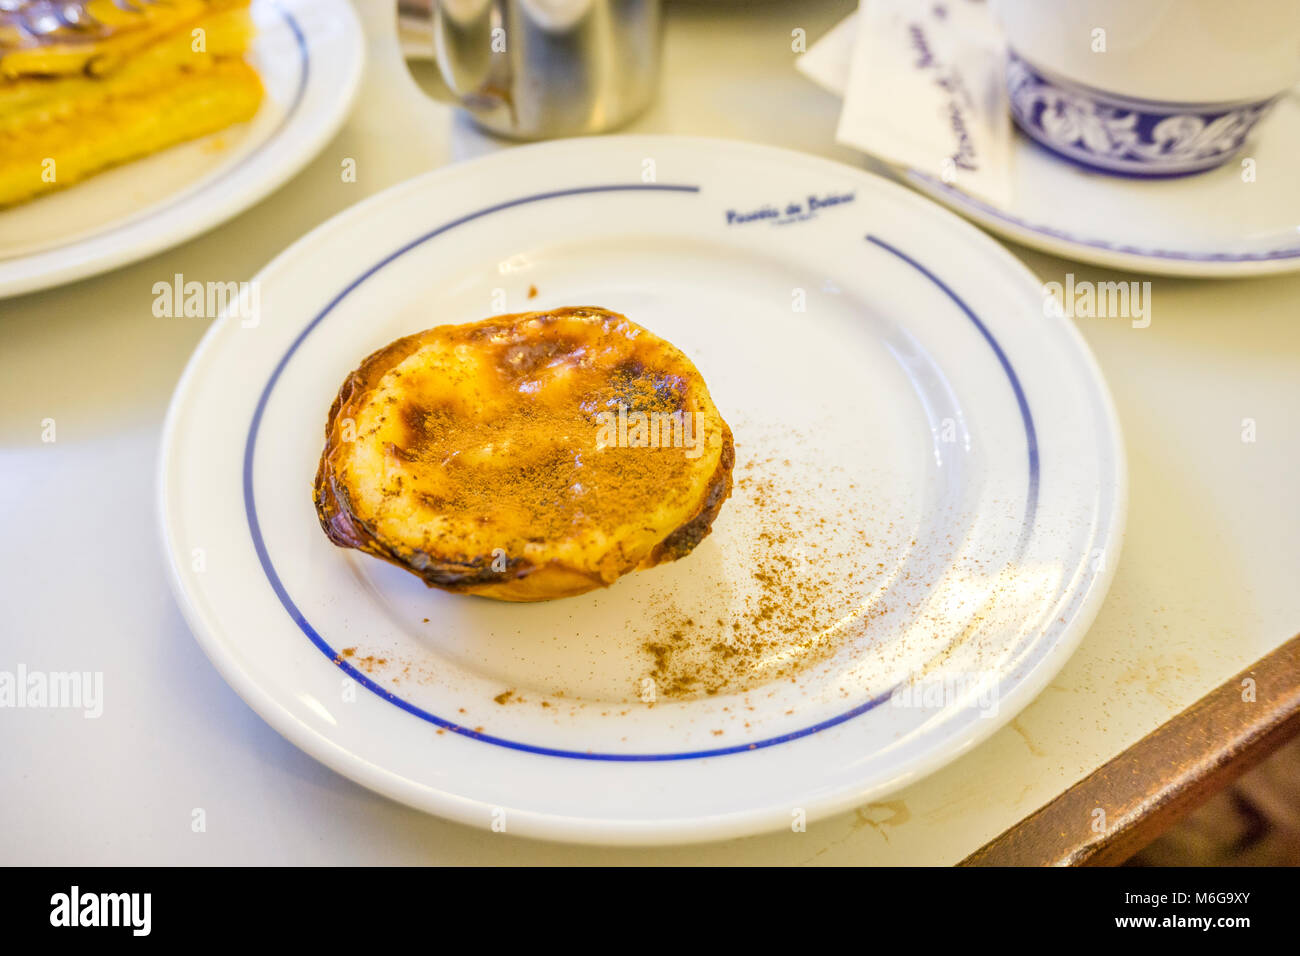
<point x="1147" y="87"/>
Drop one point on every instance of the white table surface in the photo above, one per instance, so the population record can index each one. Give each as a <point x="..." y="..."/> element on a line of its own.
<point x="1206" y="585"/>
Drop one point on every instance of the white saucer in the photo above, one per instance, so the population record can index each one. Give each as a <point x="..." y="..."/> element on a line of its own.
<point x="1212" y="224"/>
<point x="309" y="54"/>
<point x="929" y="467"/>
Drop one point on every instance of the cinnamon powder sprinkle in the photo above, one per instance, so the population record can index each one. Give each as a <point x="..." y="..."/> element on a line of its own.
<point x="806" y="598"/>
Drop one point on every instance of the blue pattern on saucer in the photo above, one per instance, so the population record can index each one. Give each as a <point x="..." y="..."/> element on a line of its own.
<point x="1123" y="135"/>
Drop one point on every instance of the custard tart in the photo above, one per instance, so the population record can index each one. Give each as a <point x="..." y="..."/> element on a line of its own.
<point x="524" y="457"/>
<point x="89" y="84"/>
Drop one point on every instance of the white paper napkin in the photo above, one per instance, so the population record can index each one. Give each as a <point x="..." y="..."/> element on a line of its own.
<point x="924" y="87"/>
<point x="827" y="62"/>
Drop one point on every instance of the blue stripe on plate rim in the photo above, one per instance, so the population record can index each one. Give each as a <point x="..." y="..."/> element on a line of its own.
<point x="330" y="653"/>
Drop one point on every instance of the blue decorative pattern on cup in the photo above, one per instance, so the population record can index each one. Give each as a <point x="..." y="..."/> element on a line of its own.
<point x="1122" y="135"/>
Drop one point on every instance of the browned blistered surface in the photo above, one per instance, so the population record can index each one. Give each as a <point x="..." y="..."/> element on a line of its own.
<point x="476" y="456"/>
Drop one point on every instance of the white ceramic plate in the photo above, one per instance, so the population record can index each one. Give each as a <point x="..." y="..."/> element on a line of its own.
<point x="1217" y="224"/>
<point x="929" y="465"/>
<point x="309" y="54"/>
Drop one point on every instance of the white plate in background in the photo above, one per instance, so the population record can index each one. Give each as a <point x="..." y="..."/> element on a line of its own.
<point x="309" y="54"/>
<point x="1228" y="222"/>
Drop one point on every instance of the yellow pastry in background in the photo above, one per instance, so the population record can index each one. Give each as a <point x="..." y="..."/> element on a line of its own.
<point x="91" y="84"/>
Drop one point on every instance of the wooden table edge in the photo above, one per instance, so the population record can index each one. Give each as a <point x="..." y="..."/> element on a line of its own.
<point x="1130" y="800"/>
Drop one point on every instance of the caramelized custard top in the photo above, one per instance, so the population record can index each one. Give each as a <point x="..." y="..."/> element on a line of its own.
<point x="576" y="432"/>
